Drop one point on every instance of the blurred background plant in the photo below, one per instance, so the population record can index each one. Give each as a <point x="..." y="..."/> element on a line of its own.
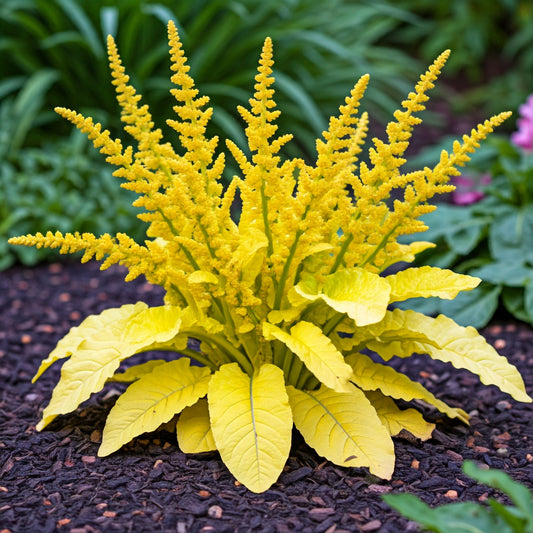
<point x="53" y="53"/>
<point x="492" y="45"/>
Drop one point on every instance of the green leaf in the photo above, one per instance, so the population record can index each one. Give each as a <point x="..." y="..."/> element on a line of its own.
<point x="528" y="300"/>
<point x="428" y="281"/>
<point x="503" y="272"/>
<point x="316" y="351"/>
<point x="344" y="428"/>
<point x="474" y="308"/>
<point x="251" y="423"/>
<point x="452" y="518"/>
<point x="514" y="301"/>
<point x="510" y="239"/>
<point x="153" y="400"/>
<point x="519" y="494"/>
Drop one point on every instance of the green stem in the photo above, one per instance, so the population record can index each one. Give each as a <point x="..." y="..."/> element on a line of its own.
<point x="305" y="374"/>
<point x="333" y="322"/>
<point x="340" y="256"/>
<point x="285" y="271"/>
<point x="295" y="371"/>
<point x="311" y="383"/>
<point x="226" y="347"/>
<point x="268" y="233"/>
<point x="200" y="358"/>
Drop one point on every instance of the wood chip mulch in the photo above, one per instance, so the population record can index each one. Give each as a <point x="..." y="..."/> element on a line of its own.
<point x="53" y="481"/>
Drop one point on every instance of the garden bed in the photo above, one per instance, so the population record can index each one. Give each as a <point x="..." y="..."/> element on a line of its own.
<point x="54" y="481"/>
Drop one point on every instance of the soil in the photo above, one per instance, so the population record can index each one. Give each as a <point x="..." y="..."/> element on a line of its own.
<point x="53" y="480"/>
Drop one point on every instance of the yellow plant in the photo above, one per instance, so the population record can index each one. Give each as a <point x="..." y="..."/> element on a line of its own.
<point x="283" y="301"/>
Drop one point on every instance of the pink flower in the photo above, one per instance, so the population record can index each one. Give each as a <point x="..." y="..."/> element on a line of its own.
<point x="465" y="189"/>
<point x="524" y="136"/>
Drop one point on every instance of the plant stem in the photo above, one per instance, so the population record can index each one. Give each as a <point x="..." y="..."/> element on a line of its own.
<point x="340" y="255"/>
<point x="285" y="271"/>
<point x="226" y="347"/>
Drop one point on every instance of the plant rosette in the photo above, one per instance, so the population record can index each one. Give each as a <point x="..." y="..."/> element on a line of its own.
<point x="284" y="300"/>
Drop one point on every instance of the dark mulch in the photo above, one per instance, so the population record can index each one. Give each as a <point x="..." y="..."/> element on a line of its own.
<point x="53" y="480"/>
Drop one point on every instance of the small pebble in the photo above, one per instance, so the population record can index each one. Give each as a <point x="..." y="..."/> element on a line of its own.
<point x="503" y="405"/>
<point x="451" y="494"/>
<point x="31" y="397"/>
<point x="215" y="511"/>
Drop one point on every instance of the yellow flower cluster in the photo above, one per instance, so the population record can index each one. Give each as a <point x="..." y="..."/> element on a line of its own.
<point x="295" y="218"/>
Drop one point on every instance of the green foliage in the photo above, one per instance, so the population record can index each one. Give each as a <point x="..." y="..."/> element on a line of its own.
<point x="67" y="38"/>
<point x="468" y="517"/>
<point x="64" y="185"/>
<point x="492" y="45"/>
<point x="490" y="239"/>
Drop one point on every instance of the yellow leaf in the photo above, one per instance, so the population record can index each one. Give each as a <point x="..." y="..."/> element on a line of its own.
<point x="153" y="400"/>
<point x="370" y="376"/>
<point x="344" y="428"/>
<point x="109" y="319"/>
<point x="361" y="294"/>
<point x="251" y="423"/>
<point x="408" y="252"/>
<point x="202" y="276"/>
<point x="404" y="333"/>
<point x="194" y="429"/>
<point x="316" y="351"/>
<point x="252" y="251"/>
<point x="152" y="325"/>
<point x="284" y="315"/>
<point x="427" y="281"/>
<point x="136" y="372"/>
<point x="103" y="347"/>
<point x="396" y="419"/>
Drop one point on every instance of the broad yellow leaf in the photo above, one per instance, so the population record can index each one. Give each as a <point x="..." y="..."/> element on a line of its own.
<point x="344" y="428"/>
<point x="113" y="318"/>
<point x="361" y="294"/>
<point x="136" y="372"/>
<point x="428" y="281"/>
<point x="194" y="429"/>
<point x="251" y="423"/>
<point x="402" y="333"/>
<point x="396" y="419"/>
<point x="153" y="400"/>
<point x="408" y="252"/>
<point x="202" y="276"/>
<point x="316" y="351"/>
<point x="97" y="357"/>
<point x="371" y="376"/>
<point x="154" y="325"/>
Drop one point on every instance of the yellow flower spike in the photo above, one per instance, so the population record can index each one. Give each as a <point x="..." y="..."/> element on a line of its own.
<point x="283" y="298"/>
